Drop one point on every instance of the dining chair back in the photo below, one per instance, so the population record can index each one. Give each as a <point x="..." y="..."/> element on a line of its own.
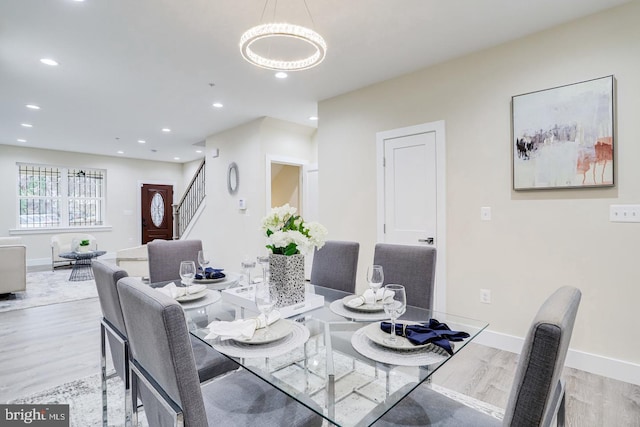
<point x="113" y="329"/>
<point x="169" y="386"/>
<point x="335" y="265"/>
<point x="165" y="257"/>
<point x="414" y="267"/>
<point x="537" y="396"/>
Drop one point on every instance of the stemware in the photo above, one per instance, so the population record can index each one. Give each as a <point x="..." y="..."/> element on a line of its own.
<point x="265" y="300"/>
<point x="375" y="277"/>
<point x="263" y="260"/>
<point x="187" y="273"/>
<point x="204" y="259"/>
<point x="394" y="305"/>
<point x="247" y="265"/>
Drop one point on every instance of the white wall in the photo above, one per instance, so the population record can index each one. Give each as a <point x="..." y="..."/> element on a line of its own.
<point x="229" y="233"/>
<point x="123" y="177"/>
<point x="536" y="241"/>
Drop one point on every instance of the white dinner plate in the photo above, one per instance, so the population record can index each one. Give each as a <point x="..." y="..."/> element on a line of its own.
<point x="368" y="308"/>
<point x="378" y="336"/>
<point x="277" y="331"/>
<point x="193" y="296"/>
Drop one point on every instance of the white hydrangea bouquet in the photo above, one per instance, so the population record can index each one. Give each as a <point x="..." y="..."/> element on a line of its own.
<point x="288" y="234"/>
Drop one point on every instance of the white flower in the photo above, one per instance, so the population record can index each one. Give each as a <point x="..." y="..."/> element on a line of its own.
<point x="288" y="234"/>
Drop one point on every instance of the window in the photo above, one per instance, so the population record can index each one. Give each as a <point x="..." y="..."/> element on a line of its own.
<point x="53" y="197"/>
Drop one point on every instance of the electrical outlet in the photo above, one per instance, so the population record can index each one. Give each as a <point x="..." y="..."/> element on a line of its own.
<point x="485" y="296"/>
<point x="485" y="213"/>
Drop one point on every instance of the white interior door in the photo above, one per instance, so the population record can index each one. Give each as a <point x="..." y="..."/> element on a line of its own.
<point x="410" y="189"/>
<point x="411" y="193"/>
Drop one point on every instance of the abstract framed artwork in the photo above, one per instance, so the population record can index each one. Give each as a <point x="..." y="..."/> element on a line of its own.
<point x="563" y="137"/>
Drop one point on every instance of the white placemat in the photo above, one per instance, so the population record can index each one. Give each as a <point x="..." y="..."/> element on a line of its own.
<point x="298" y="336"/>
<point x="360" y="316"/>
<point x="210" y="298"/>
<point x="425" y="356"/>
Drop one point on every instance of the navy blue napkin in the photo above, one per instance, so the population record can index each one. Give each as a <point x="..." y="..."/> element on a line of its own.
<point x="432" y="332"/>
<point x="210" y="273"/>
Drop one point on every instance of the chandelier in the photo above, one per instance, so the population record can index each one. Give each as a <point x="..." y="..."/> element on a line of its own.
<point x="282" y="29"/>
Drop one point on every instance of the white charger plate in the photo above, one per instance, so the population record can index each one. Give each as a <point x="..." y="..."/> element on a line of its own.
<point x="193" y="296"/>
<point x="276" y="331"/>
<point x="378" y="336"/>
<point x="367" y="308"/>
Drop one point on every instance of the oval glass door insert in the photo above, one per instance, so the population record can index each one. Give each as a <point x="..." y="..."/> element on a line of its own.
<point x="157" y="209"/>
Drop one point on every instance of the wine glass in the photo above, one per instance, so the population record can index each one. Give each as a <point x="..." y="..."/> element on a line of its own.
<point x="187" y="273"/>
<point x="263" y="260"/>
<point x="265" y="300"/>
<point x="375" y="278"/>
<point x="204" y="259"/>
<point x="247" y="265"/>
<point x="394" y="305"/>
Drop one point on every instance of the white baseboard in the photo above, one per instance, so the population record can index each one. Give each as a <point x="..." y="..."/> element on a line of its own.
<point x="600" y="365"/>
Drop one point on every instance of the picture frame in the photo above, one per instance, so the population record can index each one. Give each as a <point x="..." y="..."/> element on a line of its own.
<point x="563" y="137"/>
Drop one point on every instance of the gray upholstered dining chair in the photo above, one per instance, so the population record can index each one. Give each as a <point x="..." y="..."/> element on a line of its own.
<point x="165" y="368"/>
<point x="414" y="267"/>
<point x="537" y="394"/>
<point x="165" y="257"/>
<point x="209" y="362"/>
<point x="335" y="265"/>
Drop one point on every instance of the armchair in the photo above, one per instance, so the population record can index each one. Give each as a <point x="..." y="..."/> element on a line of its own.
<point x="61" y="243"/>
<point x="13" y="265"/>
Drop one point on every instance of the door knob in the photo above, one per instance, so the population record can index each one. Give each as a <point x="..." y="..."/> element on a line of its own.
<point x="428" y="240"/>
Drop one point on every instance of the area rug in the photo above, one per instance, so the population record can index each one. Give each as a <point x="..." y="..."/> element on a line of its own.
<point x="48" y="287"/>
<point x="84" y="397"/>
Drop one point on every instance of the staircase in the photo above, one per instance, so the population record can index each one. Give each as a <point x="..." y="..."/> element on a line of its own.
<point x="188" y="206"/>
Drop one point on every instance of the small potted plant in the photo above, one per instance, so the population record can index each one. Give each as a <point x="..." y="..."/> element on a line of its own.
<point x="84" y="246"/>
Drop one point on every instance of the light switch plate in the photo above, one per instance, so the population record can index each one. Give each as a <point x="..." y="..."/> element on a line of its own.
<point x="624" y="213"/>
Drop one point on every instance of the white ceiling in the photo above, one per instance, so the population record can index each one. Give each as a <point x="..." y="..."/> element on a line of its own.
<point x="128" y="68"/>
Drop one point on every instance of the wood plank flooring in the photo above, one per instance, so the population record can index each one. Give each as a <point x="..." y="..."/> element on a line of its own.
<point x="43" y="347"/>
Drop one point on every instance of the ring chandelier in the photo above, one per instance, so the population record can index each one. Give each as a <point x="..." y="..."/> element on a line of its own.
<point x="272" y="30"/>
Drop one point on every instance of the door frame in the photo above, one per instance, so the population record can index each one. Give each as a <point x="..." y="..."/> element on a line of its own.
<point x="440" y="300"/>
<point x="284" y="161"/>
<point x="139" y="203"/>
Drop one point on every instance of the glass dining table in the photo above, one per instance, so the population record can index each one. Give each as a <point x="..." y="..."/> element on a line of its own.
<point x="334" y="359"/>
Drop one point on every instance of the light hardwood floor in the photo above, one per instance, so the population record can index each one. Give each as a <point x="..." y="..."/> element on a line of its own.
<point x="43" y="347"/>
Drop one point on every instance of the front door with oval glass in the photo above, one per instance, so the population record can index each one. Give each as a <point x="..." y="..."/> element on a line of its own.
<point x="157" y="215"/>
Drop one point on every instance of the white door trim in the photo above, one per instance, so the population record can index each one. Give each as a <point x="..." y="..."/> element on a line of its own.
<point x="285" y="161"/>
<point x="440" y="302"/>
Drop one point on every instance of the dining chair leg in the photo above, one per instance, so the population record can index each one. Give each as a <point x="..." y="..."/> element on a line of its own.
<point x="560" y="414"/>
<point x="103" y="373"/>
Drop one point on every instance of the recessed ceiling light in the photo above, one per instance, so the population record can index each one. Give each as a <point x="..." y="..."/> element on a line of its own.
<point x="314" y="118"/>
<point x="120" y="152"/>
<point x="176" y="158"/>
<point x="49" y="61"/>
<point x="281" y="75"/>
<point x="22" y="140"/>
<point x="26" y="125"/>
<point x="142" y="141"/>
<point x="217" y="105"/>
<point x="166" y="130"/>
<point x="198" y="151"/>
<point x="32" y="106"/>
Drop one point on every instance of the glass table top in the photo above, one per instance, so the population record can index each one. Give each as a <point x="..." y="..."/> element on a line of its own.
<point x="335" y="362"/>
